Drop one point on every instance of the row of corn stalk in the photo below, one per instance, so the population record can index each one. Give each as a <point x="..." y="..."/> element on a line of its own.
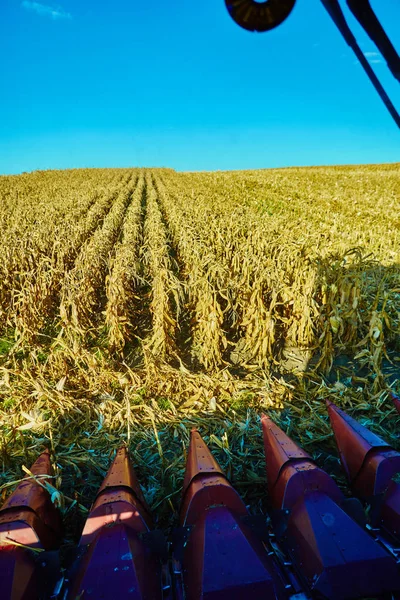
<point x="205" y="277"/>
<point x="166" y="288"/>
<point x="125" y="275"/>
<point x="36" y="238"/>
<point x="35" y="304"/>
<point x="82" y="290"/>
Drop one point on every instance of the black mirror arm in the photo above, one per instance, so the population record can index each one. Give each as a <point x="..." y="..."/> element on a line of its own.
<point x="368" y="20"/>
<point x="336" y="13"/>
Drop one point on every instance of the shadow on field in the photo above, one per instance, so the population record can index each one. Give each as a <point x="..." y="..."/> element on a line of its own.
<point x="356" y="333"/>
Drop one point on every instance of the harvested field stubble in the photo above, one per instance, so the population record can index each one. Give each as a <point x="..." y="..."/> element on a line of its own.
<point x="135" y="304"/>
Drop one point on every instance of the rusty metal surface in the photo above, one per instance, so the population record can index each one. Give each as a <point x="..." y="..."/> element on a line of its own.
<point x="32" y="496"/>
<point x="290" y="470"/>
<point x="109" y="514"/>
<point x="317" y="544"/>
<point x="329" y="550"/>
<point x="28" y="518"/>
<point x="122" y="474"/>
<point x="24" y="527"/>
<point x="396" y="401"/>
<point x="361" y="452"/>
<point x="377" y="471"/>
<point x="368" y="460"/>
<point x="115" y="561"/>
<point x="199" y="461"/>
<point x="222" y="558"/>
<point x="209" y="491"/>
<point x="205" y="484"/>
<point x="280" y="450"/>
<point x="28" y="515"/>
<point x="371" y="465"/>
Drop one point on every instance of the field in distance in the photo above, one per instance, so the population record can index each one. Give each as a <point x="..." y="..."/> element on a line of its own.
<point x="136" y="303"/>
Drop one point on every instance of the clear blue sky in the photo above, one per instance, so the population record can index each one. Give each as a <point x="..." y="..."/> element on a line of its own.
<point x="177" y="83"/>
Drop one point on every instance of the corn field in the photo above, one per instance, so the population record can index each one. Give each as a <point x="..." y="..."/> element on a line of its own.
<point x="136" y="303"/>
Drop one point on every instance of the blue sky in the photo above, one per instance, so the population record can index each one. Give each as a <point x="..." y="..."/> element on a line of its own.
<point x="155" y="83"/>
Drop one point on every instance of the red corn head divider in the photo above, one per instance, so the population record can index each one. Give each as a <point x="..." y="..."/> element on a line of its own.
<point x="335" y="556"/>
<point x="222" y="558"/>
<point x="28" y="520"/>
<point x="396" y="401"/>
<point x="115" y="558"/>
<point x="371" y="466"/>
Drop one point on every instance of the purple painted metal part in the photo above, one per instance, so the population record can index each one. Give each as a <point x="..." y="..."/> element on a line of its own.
<point x="335" y="556"/>
<point x="114" y="559"/>
<point x="370" y="465"/>
<point x="222" y="557"/>
<point x="27" y="518"/>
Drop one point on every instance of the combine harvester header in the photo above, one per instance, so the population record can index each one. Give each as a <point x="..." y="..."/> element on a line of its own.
<point x="316" y="543"/>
